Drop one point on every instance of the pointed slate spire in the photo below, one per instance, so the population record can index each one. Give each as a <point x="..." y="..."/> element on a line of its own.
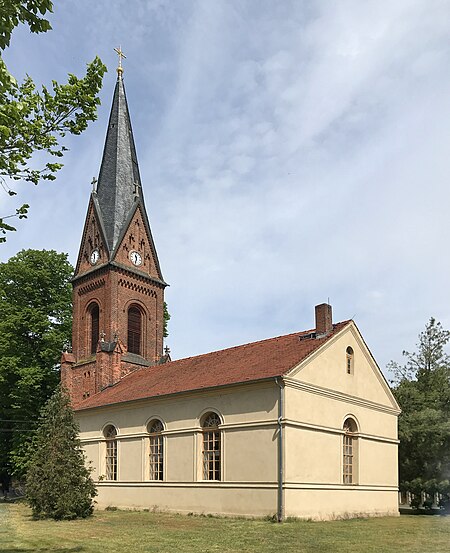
<point x="119" y="182"/>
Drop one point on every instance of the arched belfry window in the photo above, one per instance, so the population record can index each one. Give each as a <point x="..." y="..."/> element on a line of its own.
<point x="349" y="356"/>
<point x="94" y="313"/>
<point x="134" y="330"/>
<point x="350" y="452"/>
<point x="211" y="447"/>
<point x="110" y="434"/>
<point x="156" y="456"/>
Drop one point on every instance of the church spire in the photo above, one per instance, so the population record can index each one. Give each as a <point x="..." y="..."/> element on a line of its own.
<point x="119" y="182"/>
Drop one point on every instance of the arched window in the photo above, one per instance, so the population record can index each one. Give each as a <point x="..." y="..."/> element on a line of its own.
<point x="134" y="330"/>
<point x="349" y="360"/>
<point x="156" y="457"/>
<point x="94" y="312"/>
<point x="211" y="447"/>
<point x="111" y="452"/>
<point x="350" y="443"/>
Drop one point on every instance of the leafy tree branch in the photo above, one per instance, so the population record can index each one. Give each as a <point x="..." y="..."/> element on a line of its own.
<point x="33" y="120"/>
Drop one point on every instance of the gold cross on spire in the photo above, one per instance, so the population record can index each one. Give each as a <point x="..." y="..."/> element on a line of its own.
<point x="121" y="55"/>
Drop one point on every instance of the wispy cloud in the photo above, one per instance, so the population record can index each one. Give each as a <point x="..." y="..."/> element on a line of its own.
<point x="290" y="152"/>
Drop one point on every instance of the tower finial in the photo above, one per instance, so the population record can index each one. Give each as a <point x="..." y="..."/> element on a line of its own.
<point x="121" y="55"/>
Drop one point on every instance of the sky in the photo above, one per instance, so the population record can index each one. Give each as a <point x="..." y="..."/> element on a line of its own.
<point x="290" y="152"/>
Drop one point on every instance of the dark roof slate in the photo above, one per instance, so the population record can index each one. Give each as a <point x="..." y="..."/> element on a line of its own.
<point x="119" y="171"/>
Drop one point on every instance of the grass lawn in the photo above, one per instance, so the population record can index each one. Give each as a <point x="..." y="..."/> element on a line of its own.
<point x="136" y="532"/>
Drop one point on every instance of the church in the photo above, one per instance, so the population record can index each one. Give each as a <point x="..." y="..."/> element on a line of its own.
<point x="302" y="425"/>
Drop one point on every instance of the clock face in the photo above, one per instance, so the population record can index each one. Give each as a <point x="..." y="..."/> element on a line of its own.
<point x="95" y="256"/>
<point x="136" y="258"/>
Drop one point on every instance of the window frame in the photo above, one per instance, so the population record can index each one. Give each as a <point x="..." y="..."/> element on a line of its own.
<point x="135" y="334"/>
<point x="94" y="332"/>
<point x="111" y="453"/>
<point x="156" y="451"/>
<point x="349" y="360"/>
<point x="350" y="452"/>
<point x="211" y="456"/>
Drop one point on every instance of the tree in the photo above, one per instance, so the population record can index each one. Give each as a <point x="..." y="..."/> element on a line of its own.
<point x="166" y="320"/>
<point x="59" y="485"/>
<point x="422" y="388"/>
<point x="32" y="121"/>
<point x="35" y="324"/>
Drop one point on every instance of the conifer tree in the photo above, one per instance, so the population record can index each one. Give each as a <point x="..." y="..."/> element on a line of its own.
<point x="59" y="484"/>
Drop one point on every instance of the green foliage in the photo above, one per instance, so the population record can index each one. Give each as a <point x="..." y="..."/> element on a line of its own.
<point x="20" y="11"/>
<point x="59" y="485"/>
<point x="32" y="120"/>
<point x="166" y="320"/>
<point x="35" y="323"/>
<point x="423" y="392"/>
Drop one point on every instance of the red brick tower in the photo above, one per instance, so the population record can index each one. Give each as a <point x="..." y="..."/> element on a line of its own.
<point x="118" y="287"/>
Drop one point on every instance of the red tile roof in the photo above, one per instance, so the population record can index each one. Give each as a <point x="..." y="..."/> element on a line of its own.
<point x="240" y="364"/>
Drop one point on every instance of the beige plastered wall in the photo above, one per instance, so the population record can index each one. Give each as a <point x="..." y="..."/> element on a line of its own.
<point x="249" y="452"/>
<point x="319" y="396"/>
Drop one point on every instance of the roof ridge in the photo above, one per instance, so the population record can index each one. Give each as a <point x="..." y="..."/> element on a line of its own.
<point x="299" y="333"/>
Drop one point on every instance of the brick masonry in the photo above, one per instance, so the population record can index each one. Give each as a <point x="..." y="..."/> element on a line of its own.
<point x="114" y="285"/>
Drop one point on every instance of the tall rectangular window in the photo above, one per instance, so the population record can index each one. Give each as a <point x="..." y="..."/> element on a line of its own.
<point x="211" y="455"/>
<point x="156" y="457"/>
<point x="111" y="452"/>
<point x="211" y="447"/>
<point x="348" y="459"/>
<point x="350" y="360"/>
<point x="111" y="460"/>
<point x="95" y="320"/>
<point x="134" y="330"/>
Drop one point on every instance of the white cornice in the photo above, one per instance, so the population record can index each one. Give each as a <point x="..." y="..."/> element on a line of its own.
<point x="331" y="430"/>
<point x="188" y="430"/>
<point x="273" y="423"/>
<point x="339" y="487"/>
<point x="339" y="396"/>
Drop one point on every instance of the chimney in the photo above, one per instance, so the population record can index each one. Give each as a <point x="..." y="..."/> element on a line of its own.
<point x="324" y="319"/>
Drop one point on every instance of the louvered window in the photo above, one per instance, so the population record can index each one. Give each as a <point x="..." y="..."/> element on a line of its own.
<point x="134" y="330"/>
<point x="95" y="319"/>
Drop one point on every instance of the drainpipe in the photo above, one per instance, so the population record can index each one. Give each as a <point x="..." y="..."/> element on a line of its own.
<point x="280" y="510"/>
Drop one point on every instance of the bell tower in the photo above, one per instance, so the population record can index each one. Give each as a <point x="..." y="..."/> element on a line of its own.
<point x="118" y="287"/>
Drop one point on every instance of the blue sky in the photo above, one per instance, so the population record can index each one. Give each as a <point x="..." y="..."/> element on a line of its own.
<point x="290" y="152"/>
